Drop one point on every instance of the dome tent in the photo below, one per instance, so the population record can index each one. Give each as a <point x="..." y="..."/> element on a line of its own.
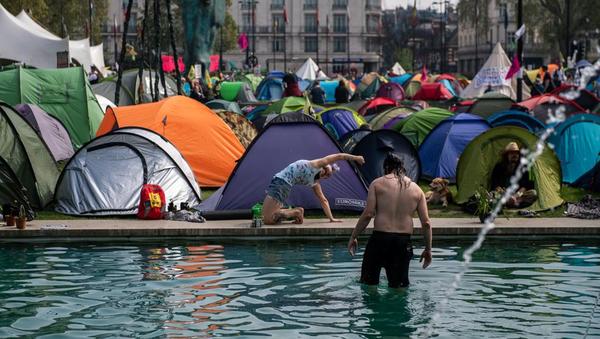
<point x="577" y="144"/>
<point x="291" y="138"/>
<point x="443" y="146"/>
<point x="477" y="162"/>
<point x="516" y="118"/>
<point x="381" y="120"/>
<point x="243" y="129"/>
<point x="25" y="161"/>
<point x="131" y="87"/>
<point x="340" y="120"/>
<point x="490" y="103"/>
<point x="49" y="129"/>
<point x="224" y="105"/>
<point x="207" y="143"/>
<point x="419" y="124"/>
<point x="105" y="176"/>
<point x="374" y="148"/>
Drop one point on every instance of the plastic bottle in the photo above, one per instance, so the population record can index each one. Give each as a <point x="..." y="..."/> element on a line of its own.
<point x="257" y="215"/>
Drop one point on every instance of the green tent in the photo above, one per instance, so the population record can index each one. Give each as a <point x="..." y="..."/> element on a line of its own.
<point x="229" y="90"/>
<point x="289" y="104"/>
<point x="25" y="161"/>
<point x="477" y="162"/>
<point x="250" y="79"/>
<point x="380" y="120"/>
<point x="411" y="88"/>
<point x="419" y="124"/>
<point x="490" y="103"/>
<point x="370" y="90"/>
<point x="63" y="93"/>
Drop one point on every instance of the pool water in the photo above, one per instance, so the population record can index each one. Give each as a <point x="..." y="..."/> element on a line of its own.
<point x="292" y="289"/>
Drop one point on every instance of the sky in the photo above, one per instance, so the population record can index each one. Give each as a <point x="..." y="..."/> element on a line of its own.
<point x="387" y="4"/>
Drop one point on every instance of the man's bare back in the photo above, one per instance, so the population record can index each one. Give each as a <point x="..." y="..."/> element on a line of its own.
<point x="396" y="203"/>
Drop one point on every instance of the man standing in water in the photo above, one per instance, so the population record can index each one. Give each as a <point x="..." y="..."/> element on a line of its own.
<point x="392" y="200"/>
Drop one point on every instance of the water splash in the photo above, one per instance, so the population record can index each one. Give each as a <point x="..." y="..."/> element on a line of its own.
<point x="527" y="160"/>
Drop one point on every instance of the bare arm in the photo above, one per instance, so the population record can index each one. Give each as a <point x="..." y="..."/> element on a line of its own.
<point x="426" y="229"/>
<point x="324" y="202"/>
<point x="330" y="159"/>
<point x="364" y="219"/>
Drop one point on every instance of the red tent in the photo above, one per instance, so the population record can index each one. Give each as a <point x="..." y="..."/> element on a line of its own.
<point x="376" y="105"/>
<point x="391" y="90"/>
<point x="540" y="106"/>
<point x="433" y="91"/>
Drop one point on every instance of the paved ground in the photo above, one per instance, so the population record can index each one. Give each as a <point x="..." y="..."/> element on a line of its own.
<point x="131" y="228"/>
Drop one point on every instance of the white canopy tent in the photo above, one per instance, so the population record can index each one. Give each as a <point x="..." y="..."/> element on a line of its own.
<point x="492" y="75"/>
<point x="19" y="43"/>
<point x="310" y="71"/>
<point x="80" y="50"/>
<point x="397" y="69"/>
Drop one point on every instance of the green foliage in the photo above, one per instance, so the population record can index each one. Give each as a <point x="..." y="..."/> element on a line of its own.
<point x="230" y="30"/>
<point x="404" y="57"/>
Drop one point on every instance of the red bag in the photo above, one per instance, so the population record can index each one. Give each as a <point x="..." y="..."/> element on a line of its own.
<point x="152" y="202"/>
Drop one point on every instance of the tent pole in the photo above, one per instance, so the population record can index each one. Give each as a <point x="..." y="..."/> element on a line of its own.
<point x="122" y="56"/>
<point x="158" y="51"/>
<point x="143" y="47"/>
<point x="520" y="52"/>
<point x="175" y="56"/>
<point x="156" y="48"/>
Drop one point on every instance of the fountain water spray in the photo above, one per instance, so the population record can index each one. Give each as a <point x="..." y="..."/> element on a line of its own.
<point x="525" y="165"/>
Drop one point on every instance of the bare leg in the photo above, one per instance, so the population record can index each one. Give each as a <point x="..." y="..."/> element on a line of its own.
<point x="271" y="211"/>
<point x="298" y="215"/>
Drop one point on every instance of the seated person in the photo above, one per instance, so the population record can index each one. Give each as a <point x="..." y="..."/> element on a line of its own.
<point x="301" y="172"/>
<point x="504" y="170"/>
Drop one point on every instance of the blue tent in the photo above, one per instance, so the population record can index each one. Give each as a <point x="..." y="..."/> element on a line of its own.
<point x="448" y="86"/>
<point x="329" y="89"/>
<point x="516" y="118"/>
<point x="270" y="88"/>
<point x="401" y="79"/>
<point x="256" y="112"/>
<point x="442" y="148"/>
<point x="340" y="120"/>
<point x="275" y="74"/>
<point x="577" y="144"/>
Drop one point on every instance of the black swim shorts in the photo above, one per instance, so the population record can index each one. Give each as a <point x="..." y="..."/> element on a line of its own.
<point x="392" y="251"/>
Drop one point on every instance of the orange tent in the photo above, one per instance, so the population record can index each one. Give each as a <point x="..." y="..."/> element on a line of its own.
<point x="205" y="141"/>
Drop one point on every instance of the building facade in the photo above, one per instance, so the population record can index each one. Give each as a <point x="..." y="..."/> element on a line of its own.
<point x="335" y="33"/>
<point x="474" y="46"/>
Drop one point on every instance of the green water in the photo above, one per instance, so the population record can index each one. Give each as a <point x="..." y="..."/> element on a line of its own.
<point x="292" y="289"/>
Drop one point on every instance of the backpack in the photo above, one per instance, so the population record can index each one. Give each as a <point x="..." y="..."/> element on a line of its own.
<point x="152" y="202"/>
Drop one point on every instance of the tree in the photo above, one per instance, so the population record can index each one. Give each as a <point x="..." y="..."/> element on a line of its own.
<point x="230" y="30"/>
<point x="36" y="8"/>
<point x="474" y="12"/>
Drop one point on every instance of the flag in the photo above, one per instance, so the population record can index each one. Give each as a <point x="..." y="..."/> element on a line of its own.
<point x="207" y="79"/>
<point x="424" y="74"/>
<point x="413" y="19"/>
<point x="514" y="68"/>
<point x="243" y="41"/>
<point x="284" y="15"/>
<point x="519" y="33"/>
<point x="115" y="24"/>
<point x="348" y="12"/>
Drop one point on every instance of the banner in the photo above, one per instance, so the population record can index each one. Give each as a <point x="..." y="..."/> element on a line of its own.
<point x="493" y="76"/>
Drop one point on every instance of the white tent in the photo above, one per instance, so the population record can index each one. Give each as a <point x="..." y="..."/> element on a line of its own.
<point x="80" y="50"/>
<point x="310" y="71"/>
<point x="492" y="74"/>
<point x="104" y="103"/>
<point x="21" y="44"/>
<point x="397" y="69"/>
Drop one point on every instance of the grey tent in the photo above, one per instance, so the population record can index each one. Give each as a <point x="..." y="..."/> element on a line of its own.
<point x="25" y="162"/>
<point x="130" y="93"/>
<point x="106" y="175"/>
<point x="49" y="129"/>
<point x="224" y="105"/>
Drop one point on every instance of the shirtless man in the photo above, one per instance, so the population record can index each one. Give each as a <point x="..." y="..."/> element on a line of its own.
<point x="392" y="200"/>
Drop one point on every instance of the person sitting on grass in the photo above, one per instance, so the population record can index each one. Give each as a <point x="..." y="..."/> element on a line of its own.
<point x="301" y="172"/>
<point x="504" y="170"/>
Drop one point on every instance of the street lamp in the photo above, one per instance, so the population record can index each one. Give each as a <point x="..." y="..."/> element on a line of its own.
<point x="443" y="16"/>
<point x="250" y="59"/>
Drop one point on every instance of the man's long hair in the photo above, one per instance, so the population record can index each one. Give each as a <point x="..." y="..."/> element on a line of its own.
<point x="393" y="164"/>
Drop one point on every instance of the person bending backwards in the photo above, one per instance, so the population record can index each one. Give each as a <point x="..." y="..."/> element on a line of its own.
<point x="301" y="172"/>
<point x="392" y="200"/>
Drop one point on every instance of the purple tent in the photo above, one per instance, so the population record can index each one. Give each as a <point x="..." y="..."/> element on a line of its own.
<point x="49" y="129"/>
<point x="339" y="121"/>
<point x="391" y="90"/>
<point x="282" y="142"/>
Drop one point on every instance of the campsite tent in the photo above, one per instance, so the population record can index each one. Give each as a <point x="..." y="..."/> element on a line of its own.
<point x="237" y="91"/>
<point x="541" y="106"/>
<point x="577" y="144"/>
<point x="397" y="69"/>
<point x="241" y="127"/>
<point x="25" y="161"/>
<point x="442" y="148"/>
<point x="419" y="124"/>
<point x="493" y="74"/>
<point x="340" y="120"/>
<point x="21" y="44"/>
<point x="130" y="87"/>
<point x="517" y="118"/>
<point x="106" y="175"/>
<point x="63" y="93"/>
<point x="401" y="79"/>
<point x="288" y="104"/>
<point x="435" y="91"/>
<point x="477" y="162"/>
<point x="392" y="91"/>
<point x="368" y="88"/>
<point x="204" y="140"/>
<point x="490" y="103"/>
<point x="270" y="88"/>
<point x="350" y="139"/>
<point x="251" y="79"/>
<point x="303" y="138"/>
<point x="52" y="132"/>
<point x="310" y="71"/>
<point x="104" y="103"/>
<point x="374" y="148"/>
<point x="329" y="87"/>
<point x="376" y="105"/>
<point x="396" y="113"/>
<point x="224" y="105"/>
<point x="582" y="97"/>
